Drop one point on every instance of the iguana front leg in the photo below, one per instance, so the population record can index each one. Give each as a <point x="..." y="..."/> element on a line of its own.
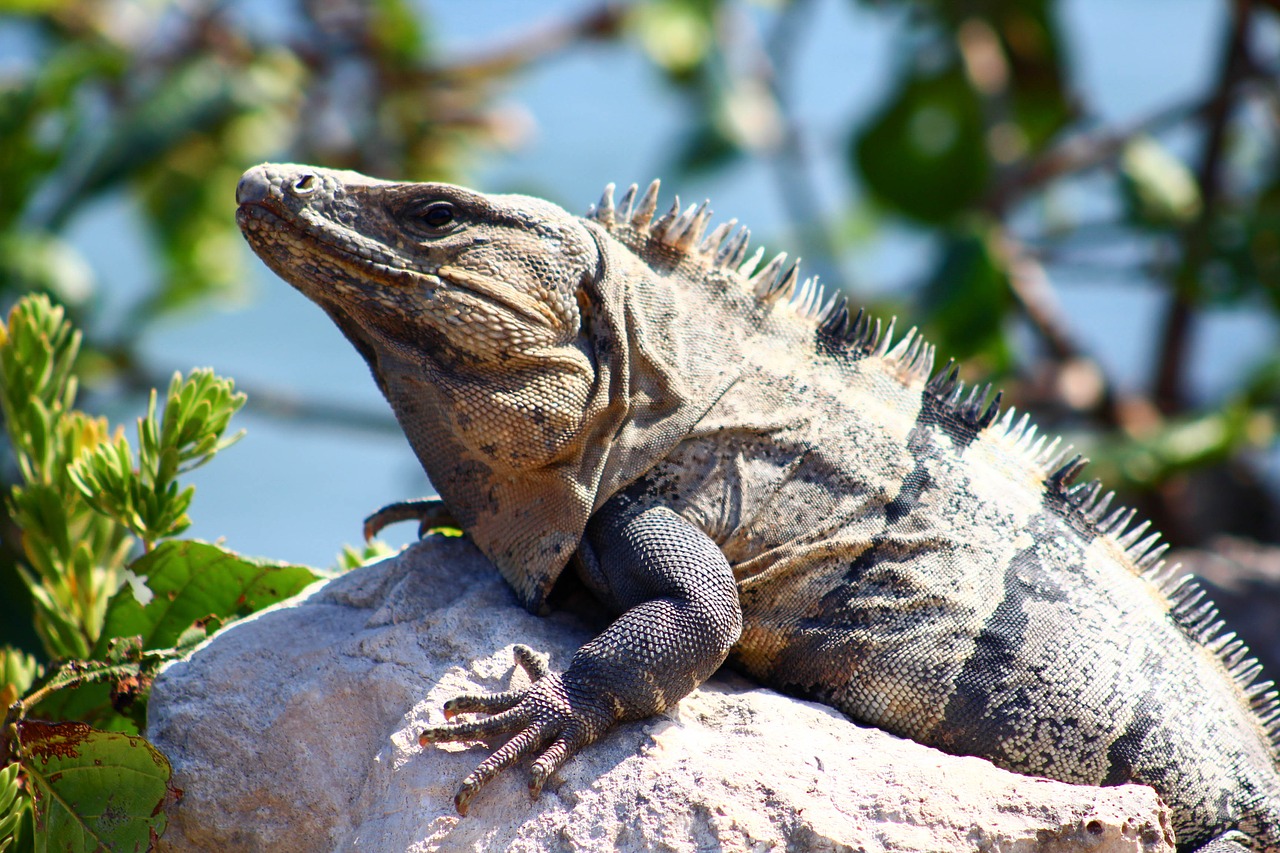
<point x="680" y="616"/>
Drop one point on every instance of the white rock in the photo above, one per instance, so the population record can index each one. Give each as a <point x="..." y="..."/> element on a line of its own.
<point x="296" y="730"/>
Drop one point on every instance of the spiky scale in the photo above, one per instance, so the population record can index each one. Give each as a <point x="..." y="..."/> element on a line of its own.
<point x="762" y="284"/>
<point x="898" y="353"/>
<point x="884" y="343"/>
<point x="823" y="308"/>
<point x="1127" y="541"/>
<point x="693" y="233"/>
<point x="945" y="380"/>
<point x="643" y="216"/>
<point x="1152" y="556"/>
<point x="857" y="327"/>
<point x="604" y="210"/>
<point x="735" y="251"/>
<point x="1066" y="475"/>
<point x="662" y="225"/>
<point x="809" y="295"/>
<point x="628" y="199"/>
<point x="750" y="264"/>
<point x="772" y="289"/>
<point x="1211" y="630"/>
<point x="992" y="412"/>
<point x="871" y="337"/>
<point x="715" y="240"/>
<point x="677" y="227"/>
<point x="1099" y="509"/>
<point x="836" y="321"/>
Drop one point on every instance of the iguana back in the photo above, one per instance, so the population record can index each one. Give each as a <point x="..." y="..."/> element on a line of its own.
<point x="924" y="566"/>
<point x="621" y="390"/>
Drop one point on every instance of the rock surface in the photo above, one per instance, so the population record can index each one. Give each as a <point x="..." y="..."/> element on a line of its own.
<point x="295" y="730"/>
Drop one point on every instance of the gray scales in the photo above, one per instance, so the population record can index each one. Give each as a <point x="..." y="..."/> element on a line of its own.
<point x="740" y="470"/>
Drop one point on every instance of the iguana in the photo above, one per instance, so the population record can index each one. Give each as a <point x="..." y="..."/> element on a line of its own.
<point x="741" y="470"/>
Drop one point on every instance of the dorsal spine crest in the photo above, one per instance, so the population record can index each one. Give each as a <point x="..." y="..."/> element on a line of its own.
<point x="634" y="224"/>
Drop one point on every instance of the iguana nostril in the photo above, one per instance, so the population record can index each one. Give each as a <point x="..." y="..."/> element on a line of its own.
<point x="253" y="187"/>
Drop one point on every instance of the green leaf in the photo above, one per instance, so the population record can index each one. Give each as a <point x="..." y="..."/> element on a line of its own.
<point x="17" y="671"/>
<point x="924" y="153"/>
<point x="397" y="29"/>
<point x="143" y="495"/>
<point x="371" y="552"/>
<point x="110" y="693"/>
<point x="1159" y="188"/>
<point x="94" y="790"/>
<point x="14" y="808"/>
<point x="192" y="581"/>
<point x="967" y="298"/>
<point x="676" y="34"/>
<point x="37" y="350"/>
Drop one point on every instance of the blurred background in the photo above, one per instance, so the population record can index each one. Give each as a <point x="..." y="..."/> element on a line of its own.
<point x="1079" y="198"/>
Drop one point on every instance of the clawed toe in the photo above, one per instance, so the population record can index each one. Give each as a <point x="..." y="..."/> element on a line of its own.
<point x="534" y="717"/>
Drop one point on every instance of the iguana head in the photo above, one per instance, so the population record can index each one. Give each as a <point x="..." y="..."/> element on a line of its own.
<point x="487" y="279"/>
<point x="535" y="363"/>
<point x="476" y="294"/>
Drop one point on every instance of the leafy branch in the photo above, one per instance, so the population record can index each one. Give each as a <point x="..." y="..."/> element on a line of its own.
<point x="87" y="504"/>
<point x="142" y="493"/>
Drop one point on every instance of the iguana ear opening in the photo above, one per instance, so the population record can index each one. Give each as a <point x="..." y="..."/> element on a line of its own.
<point x="585" y="308"/>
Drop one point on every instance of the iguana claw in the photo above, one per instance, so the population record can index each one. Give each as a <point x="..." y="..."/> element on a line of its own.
<point x="546" y="714"/>
<point x="430" y="513"/>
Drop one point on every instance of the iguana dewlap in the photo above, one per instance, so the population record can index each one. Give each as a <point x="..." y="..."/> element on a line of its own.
<point x="740" y="470"/>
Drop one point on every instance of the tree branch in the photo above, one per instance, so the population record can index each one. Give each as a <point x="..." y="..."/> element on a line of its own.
<point x="597" y="22"/>
<point x="1082" y="153"/>
<point x="1168" y="389"/>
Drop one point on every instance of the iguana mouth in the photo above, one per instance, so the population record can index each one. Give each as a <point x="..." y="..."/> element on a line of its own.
<point x="363" y="262"/>
<point x="359" y="258"/>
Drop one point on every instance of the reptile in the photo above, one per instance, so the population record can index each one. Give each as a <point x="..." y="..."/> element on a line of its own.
<point x="740" y="469"/>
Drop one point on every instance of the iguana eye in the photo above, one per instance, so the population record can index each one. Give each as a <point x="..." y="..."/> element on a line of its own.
<point x="437" y="216"/>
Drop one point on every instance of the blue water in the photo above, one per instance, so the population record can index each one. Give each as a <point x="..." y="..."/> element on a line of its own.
<point x="602" y="115"/>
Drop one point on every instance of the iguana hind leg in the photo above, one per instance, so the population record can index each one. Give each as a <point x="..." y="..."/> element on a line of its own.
<point x="680" y="616"/>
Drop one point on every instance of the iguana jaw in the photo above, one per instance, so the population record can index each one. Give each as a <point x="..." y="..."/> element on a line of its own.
<point x="362" y="268"/>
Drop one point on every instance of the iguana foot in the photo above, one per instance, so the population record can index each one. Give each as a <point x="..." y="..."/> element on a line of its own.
<point x="551" y="715"/>
<point x="430" y="513"/>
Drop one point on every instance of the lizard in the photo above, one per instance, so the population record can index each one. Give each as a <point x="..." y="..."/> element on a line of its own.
<point x="741" y="469"/>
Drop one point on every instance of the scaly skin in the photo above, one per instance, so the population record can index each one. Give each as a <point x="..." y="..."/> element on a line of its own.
<point x="740" y="471"/>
